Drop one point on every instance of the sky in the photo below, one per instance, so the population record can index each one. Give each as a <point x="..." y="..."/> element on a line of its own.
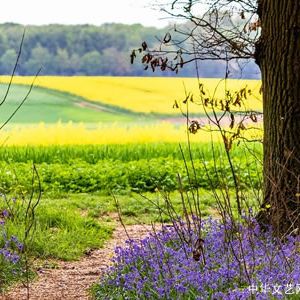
<point x="97" y="12"/>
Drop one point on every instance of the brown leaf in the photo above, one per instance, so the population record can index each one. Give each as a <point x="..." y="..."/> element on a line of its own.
<point x="132" y="56"/>
<point x="242" y="126"/>
<point x="201" y="88"/>
<point x="194" y="127"/>
<point x="149" y="57"/>
<point x="181" y="62"/>
<point x="206" y="102"/>
<point x="253" y="117"/>
<point x="144" y="59"/>
<point x="222" y="105"/>
<point x="175" y="105"/>
<point x="244" y="93"/>
<point x="186" y="99"/>
<point x="231" y="120"/>
<point x="144" y="46"/>
<point x="198" y="250"/>
<point x="227" y="143"/>
<point x="238" y="100"/>
<point x="153" y="66"/>
<point x="227" y="106"/>
<point x="167" y="38"/>
<point x="164" y="64"/>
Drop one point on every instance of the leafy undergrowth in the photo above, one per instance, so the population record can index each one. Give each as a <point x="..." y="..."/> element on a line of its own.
<point x="145" y="175"/>
<point x="237" y="262"/>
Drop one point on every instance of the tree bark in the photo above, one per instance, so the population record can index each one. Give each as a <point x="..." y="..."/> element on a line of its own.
<point x="278" y="56"/>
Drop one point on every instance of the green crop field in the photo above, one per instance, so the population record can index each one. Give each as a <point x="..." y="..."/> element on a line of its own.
<point x="51" y="106"/>
<point x="123" y="169"/>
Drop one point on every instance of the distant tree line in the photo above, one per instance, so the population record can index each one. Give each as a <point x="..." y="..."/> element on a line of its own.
<point x="89" y="50"/>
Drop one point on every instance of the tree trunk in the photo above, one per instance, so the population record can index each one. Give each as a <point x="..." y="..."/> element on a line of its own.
<point x="278" y="56"/>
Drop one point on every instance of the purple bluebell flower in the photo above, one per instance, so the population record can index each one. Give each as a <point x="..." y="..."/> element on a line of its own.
<point x="161" y="266"/>
<point x="5" y="213"/>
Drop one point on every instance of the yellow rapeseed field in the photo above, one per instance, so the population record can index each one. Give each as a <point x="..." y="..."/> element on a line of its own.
<point x="142" y="94"/>
<point x="72" y="134"/>
<point x="83" y="134"/>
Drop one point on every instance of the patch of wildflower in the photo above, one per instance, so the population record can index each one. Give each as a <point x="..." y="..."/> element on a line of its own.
<point x="238" y="261"/>
<point x="10" y="246"/>
<point x="11" y="250"/>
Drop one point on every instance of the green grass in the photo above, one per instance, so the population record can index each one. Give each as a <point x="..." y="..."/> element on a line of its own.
<point x="91" y="210"/>
<point x="50" y="106"/>
<point x="94" y="153"/>
<point x="61" y="231"/>
<point x="135" y="208"/>
<point x="70" y="224"/>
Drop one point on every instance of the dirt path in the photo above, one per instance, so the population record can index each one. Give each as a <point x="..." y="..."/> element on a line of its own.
<point x="70" y="280"/>
<point x="94" y="106"/>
